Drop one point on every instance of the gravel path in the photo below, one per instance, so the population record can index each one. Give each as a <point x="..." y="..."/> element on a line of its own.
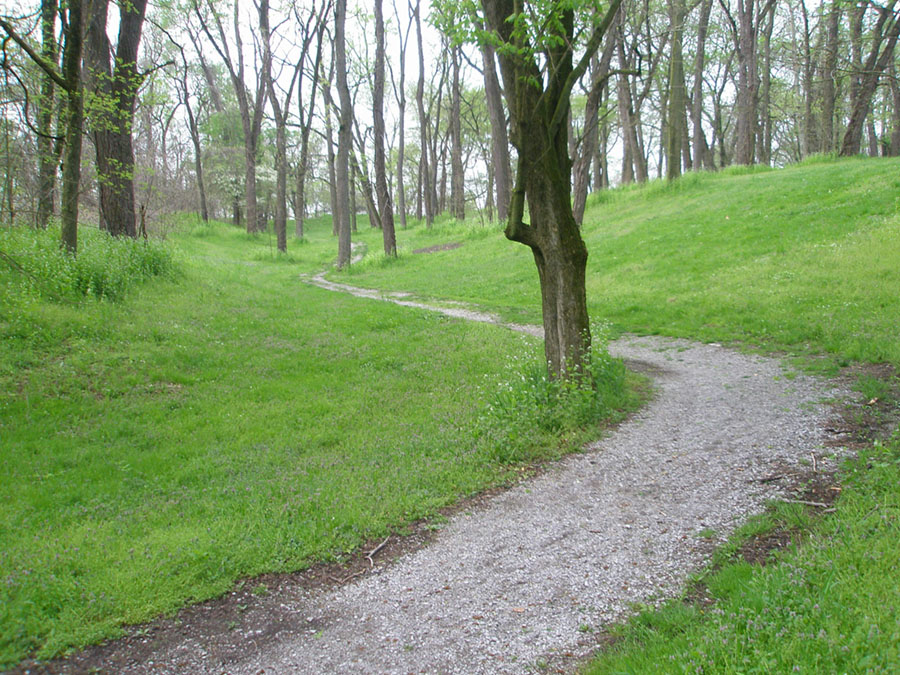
<point x="525" y="578"/>
<point x="520" y="581"/>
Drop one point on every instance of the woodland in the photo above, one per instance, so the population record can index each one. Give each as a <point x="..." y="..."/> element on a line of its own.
<point x="184" y="398"/>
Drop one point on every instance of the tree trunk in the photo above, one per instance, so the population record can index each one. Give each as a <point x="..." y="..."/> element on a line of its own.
<point x="543" y="178"/>
<point x="386" y="208"/>
<point x="591" y="134"/>
<point x="332" y="159"/>
<point x="194" y="131"/>
<point x="71" y="175"/>
<point x="499" y="136"/>
<point x="46" y="105"/>
<point x="400" y="96"/>
<point x="808" y="140"/>
<point x="457" y="179"/>
<point x="426" y="192"/>
<point x="117" y="90"/>
<point x="677" y="95"/>
<point x="748" y="83"/>
<point x="829" y="76"/>
<point x="342" y="168"/>
<point x="765" y="141"/>
<point x="895" y="113"/>
<point x="887" y="26"/>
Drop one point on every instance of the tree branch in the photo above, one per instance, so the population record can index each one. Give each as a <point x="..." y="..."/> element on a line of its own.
<point x="34" y="56"/>
<point x="562" y="104"/>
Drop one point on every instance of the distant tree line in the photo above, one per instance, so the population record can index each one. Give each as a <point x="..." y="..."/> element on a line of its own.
<point x="252" y="112"/>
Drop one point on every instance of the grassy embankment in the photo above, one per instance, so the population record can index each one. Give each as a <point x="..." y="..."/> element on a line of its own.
<point x="803" y="262"/>
<point x="221" y="419"/>
<point x="177" y="434"/>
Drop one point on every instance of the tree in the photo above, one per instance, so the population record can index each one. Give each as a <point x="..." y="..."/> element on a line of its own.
<point x="499" y="135"/>
<point x="539" y="104"/>
<point x="386" y="207"/>
<point x="398" y="85"/>
<point x="47" y="157"/>
<point x="457" y="178"/>
<point x="114" y="88"/>
<point x="677" y="94"/>
<point x="251" y="109"/>
<point x="885" y="32"/>
<point x="400" y="96"/>
<point x="424" y="174"/>
<point x="70" y="81"/>
<point x="342" y="161"/>
<point x="306" y="37"/>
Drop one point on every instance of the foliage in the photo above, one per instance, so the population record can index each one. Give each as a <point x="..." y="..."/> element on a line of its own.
<point x="829" y="605"/>
<point x="105" y="268"/>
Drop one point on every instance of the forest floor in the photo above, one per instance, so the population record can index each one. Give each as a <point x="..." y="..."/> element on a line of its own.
<point x="531" y="577"/>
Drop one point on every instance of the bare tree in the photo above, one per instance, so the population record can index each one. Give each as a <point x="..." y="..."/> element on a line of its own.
<point x="386" y="207"/>
<point x="251" y="110"/>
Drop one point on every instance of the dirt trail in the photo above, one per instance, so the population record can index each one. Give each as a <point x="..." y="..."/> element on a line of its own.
<point x="526" y="578"/>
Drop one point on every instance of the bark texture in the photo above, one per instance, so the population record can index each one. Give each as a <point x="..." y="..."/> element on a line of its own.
<point x="115" y="92"/>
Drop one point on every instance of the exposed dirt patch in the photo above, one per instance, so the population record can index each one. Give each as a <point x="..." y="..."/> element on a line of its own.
<point x="439" y="247"/>
<point x="864" y="420"/>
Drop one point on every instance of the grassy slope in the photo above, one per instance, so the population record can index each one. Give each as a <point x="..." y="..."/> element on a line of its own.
<point x="157" y="432"/>
<point x="802" y="259"/>
<point x="230" y="422"/>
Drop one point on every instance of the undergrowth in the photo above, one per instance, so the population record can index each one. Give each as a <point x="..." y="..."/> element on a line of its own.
<point x="105" y="267"/>
<point x="529" y="403"/>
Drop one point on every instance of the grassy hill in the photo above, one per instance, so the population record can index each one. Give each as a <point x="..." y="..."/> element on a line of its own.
<point x="803" y="258"/>
<point x="223" y="419"/>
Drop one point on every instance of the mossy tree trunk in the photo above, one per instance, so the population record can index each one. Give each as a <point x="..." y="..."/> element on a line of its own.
<point x="539" y="111"/>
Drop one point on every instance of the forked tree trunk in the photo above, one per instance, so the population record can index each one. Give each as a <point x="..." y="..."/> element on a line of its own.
<point x="538" y="120"/>
<point x="116" y="88"/>
<point x="887" y="27"/>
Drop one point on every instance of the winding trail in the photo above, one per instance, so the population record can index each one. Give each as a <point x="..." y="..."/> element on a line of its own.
<point x="526" y="577"/>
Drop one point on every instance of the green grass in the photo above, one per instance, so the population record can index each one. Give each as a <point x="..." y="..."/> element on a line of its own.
<point x="226" y="421"/>
<point x="801" y="259"/>
<point x="830" y="605"/>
